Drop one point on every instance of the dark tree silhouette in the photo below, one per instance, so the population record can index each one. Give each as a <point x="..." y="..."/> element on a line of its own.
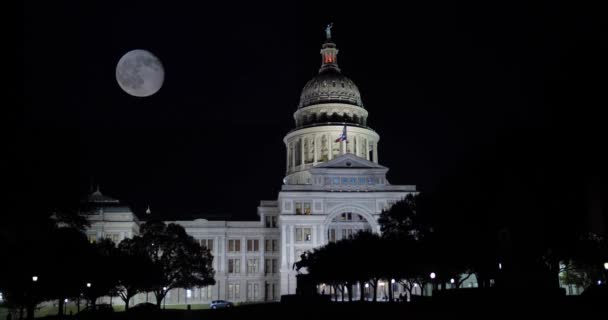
<point x="135" y="273"/>
<point x="180" y="260"/>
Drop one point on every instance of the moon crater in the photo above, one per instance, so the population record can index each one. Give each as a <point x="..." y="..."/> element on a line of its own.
<point x="140" y="73"/>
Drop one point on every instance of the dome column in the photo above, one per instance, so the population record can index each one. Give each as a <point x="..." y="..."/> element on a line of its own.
<point x="316" y="152"/>
<point x="330" y="143"/>
<point x="375" y="152"/>
<point x="302" y="153"/>
<point x="293" y="157"/>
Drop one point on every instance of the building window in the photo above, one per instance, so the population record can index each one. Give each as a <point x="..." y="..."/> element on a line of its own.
<point x="303" y="234"/>
<point x="344" y="180"/>
<point x="253" y="291"/>
<point x="234" y="245"/>
<point x="115" y="237"/>
<point x="336" y="180"/>
<point x="252" y="266"/>
<point x="271" y="266"/>
<point x="271" y="221"/>
<point x="270" y="245"/>
<point x="234" y="291"/>
<point x="234" y="266"/>
<point x="362" y="180"/>
<point x="253" y="245"/>
<point x="206" y="293"/>
<point x="207" y="243"/>
<point x="332" y="235"/>
<point x="303" y="207"/>
<point x="92" y="238"/>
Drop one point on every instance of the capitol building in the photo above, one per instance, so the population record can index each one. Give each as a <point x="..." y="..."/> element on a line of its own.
<point x="334" y="186"/>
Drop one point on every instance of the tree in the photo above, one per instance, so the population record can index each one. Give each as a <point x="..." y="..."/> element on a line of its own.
<point x="178" y="259"/>
<point x="404" y="220"/>
<point x="133" y="275"/>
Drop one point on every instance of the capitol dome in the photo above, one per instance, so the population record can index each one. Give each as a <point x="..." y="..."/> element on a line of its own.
<point x="330" y="86"/>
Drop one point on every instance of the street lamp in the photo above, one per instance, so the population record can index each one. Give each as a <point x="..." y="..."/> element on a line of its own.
<point x="164" y="298"/>
<point x="452" y="280"/>
<point x="605" y="265"/>
<point x="499" y="266"/>
<point x="35" y="278"/>
<point x="88" y="284"/>
<point x="433" y="275"/>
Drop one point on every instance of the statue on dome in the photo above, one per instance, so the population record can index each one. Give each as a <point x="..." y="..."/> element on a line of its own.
<point x="328" y="31"/>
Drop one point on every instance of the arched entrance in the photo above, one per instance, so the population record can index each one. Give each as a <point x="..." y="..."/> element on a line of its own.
<point x="345" y="225"/>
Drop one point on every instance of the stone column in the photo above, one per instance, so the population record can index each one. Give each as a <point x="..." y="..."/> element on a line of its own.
<point x="330" y="145"/>
<point x="376" y="152"/>
<point x="292" y="253"/>
<point x="288" y="154"/>
<point x="366" y="149"/>
<point x="293" y="156"/>
<point x="302" y="152"/>
<point x="315" y="148"/>
<point x="284" y="246"/>
<point x="323" y="234"/>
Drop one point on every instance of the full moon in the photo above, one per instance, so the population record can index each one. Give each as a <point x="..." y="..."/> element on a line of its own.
<point x="140" y="73"/>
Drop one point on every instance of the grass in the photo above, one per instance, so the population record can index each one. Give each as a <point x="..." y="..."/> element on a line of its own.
<point x="52" y="310"/>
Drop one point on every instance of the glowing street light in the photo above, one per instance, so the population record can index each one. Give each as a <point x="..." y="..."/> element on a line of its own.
<point x="88" y="284"/>
<point x="499" y="266"/>
<point x="452" y="280"/>
<point x="35" y="278"/>
<point x="433" y="275"/>
<point x="392" y="280"/>
<point x="606" y="265"/>
<point x="367" y="285"/>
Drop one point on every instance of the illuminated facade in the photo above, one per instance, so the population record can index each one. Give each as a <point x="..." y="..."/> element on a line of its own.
<point x="334" y="186"/>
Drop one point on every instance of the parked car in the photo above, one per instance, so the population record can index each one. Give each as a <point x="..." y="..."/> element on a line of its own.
<point x="217" y="304"/>
<point x="144" y="306"/>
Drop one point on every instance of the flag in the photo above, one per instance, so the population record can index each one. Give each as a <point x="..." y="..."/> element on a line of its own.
<point x="342" y="137"/>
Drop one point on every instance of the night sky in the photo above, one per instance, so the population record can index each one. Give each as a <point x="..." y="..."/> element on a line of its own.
<point x="442" y="81"/>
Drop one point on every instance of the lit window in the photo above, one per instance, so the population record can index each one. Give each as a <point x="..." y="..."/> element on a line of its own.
<point x="303" y="234"/>
<point x="303" y="207"/>
<point x="234" y="291"/>
<point x="234" y="266"/>
<point x="252" y="266"/>
<point x="307" y="208"/>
